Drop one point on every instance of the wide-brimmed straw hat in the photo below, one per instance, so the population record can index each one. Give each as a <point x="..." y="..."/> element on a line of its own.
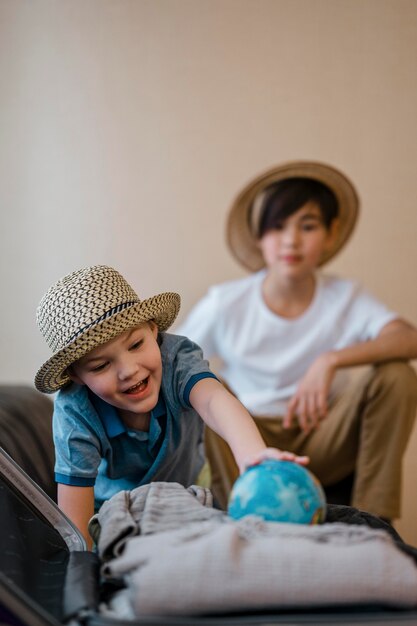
<point x="243" y="221"/>
<point x="88" y="308"/>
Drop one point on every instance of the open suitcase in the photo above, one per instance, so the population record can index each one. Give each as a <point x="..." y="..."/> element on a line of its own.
<point x="47" y="578"/>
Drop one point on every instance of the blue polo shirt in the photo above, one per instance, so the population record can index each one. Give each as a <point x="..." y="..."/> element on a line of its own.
<point x="93" y="447"/>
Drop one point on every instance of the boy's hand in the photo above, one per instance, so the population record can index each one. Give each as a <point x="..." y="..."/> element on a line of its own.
<point x="309" y="403"/>
<point x="276" y="454"/>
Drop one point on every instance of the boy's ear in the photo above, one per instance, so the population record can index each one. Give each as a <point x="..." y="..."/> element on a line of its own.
<point x="74" y="377"/>
<point x="332" y="233"/>
<point x="154" y="328"/>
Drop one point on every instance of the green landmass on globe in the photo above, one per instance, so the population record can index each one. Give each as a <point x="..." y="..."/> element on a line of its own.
<point x="278" y="491"/>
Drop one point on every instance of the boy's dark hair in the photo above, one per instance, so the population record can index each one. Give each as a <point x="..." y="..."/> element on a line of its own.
<point x="287" y="196"/>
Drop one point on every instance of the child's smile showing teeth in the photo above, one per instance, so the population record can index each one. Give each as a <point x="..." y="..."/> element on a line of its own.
<point x="140" y="387"/>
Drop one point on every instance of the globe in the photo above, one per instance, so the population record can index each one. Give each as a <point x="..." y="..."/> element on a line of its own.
<point x="278" y="491"/>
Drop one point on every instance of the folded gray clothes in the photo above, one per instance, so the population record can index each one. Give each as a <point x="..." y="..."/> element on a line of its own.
<point x="167" y="543"/>
<point x="208" y="567"/>
<point x="158" y="506"/>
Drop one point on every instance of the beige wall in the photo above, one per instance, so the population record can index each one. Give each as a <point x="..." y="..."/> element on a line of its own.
<point x="127" y="126"/>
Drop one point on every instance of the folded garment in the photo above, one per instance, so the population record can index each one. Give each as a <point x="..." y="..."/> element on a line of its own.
<point x="250" y="564"/>
<point x="168" y="544"/>
<point x="148" y="509"/>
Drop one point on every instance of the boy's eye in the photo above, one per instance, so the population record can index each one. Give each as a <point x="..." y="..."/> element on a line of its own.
<point x="136" y="344"/>
<point x="99" y="368"/>
<point x="312" y="225"/>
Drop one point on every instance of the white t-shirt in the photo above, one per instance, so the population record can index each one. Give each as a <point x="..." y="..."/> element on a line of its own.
<point x="264" y="355"/>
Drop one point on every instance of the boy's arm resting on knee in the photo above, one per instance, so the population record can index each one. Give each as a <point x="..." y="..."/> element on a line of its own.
<point x="396" y="341"/>
<point x="78" y="504"/>
<point x="227" y="416"/>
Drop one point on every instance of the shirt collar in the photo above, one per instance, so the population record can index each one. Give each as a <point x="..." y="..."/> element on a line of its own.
<point x="111" y="420"/>
<point x="160" y="409"/>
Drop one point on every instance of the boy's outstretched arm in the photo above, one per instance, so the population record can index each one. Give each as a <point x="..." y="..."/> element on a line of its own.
<point x="224" y="414"/>
<point x="78" y="504"/>
<point x="396" y="341"/>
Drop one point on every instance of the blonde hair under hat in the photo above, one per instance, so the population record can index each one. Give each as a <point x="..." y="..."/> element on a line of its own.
<point x="88" y="308"/>
<point x="246" y="210"/>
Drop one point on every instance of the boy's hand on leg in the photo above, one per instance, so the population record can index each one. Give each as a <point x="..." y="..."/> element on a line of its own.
<point x="309" y="404"/>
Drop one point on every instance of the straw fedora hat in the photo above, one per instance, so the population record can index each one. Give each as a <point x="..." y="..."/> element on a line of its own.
<point x="243" y="219"/>
<point x="88" y="308"/>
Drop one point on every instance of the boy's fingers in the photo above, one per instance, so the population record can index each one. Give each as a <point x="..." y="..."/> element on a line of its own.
<point x="290" y="414"/>
<point x="312" y="411"/>
<point x="322" y="403"/>
<point x="308" y="409"/>
<point x="279" y="455"/>
<point x="290" y="456"/>
<point x="303" y="415"/>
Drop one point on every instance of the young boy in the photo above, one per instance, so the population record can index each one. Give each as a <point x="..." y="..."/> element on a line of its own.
<point x="130" y="396"/>
<point x="287" y="333"/>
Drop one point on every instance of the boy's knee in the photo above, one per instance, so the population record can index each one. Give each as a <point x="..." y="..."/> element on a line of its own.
<point x="397" y="377"/>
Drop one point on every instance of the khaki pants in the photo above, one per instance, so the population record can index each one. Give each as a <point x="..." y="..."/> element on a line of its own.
<point x="366" y="432"/>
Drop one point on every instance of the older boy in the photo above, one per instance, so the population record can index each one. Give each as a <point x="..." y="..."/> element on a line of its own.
<point x="287" y="334"/>
<point x="130" y="396"/>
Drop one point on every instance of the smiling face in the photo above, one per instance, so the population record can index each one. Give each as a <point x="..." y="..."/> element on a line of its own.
<point x="295" y="245"/>
<point x="125" y="372"/>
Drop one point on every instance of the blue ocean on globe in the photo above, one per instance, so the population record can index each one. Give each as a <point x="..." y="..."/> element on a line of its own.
<point x="278" y="491"/>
